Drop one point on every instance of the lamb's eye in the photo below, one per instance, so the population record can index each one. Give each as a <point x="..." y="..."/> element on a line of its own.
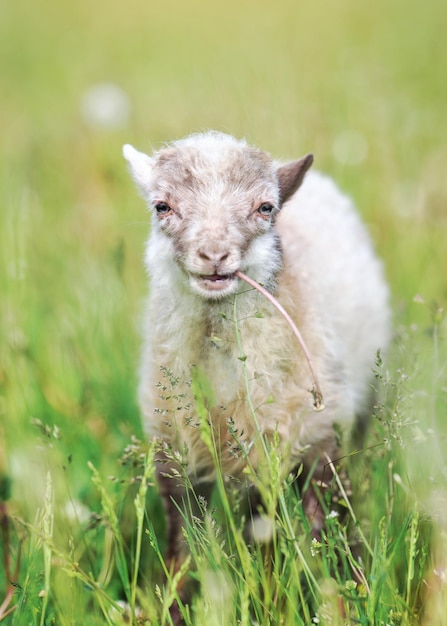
<point x="265" y="208"/>
<point x="162" y="208"/>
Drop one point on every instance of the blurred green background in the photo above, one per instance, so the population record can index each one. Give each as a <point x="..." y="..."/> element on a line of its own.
<point x="361" y="85"/>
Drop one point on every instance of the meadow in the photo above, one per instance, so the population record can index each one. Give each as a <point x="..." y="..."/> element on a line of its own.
<point x="360" y="85"/>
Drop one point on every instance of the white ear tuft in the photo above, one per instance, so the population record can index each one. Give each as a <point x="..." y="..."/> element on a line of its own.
<point x="140" y="166"/>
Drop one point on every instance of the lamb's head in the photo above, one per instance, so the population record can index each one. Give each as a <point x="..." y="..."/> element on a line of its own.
<point x="214" y="200"/>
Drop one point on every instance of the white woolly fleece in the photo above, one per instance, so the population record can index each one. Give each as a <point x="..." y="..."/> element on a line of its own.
<point x="216" y="206"/>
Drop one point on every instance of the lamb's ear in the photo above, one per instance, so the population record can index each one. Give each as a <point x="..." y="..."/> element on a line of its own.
<point x="290" y="176"/>
<point x="140" y="165"/>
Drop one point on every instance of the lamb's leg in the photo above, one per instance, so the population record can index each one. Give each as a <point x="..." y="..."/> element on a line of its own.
<point x="317" y="480"/>
<point x="312" y="496"/>
<point x="173" y="497"/>
<point x="179" y="505"/>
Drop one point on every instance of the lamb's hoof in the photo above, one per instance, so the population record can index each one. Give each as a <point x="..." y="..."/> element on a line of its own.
<point x="176" y="616"/>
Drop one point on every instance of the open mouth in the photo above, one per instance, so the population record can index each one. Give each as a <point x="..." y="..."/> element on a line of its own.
<point x="217" y="282"/>
<point x="214" y="286"/>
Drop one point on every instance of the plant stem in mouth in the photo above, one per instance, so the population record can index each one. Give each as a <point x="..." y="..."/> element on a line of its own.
<point x="316" y="389"/>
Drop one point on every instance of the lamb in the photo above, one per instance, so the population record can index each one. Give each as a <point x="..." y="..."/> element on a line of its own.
<point x="220" y="207"/>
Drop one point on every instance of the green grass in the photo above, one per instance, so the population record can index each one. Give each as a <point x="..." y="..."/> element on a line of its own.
<point x="292" y="78"/>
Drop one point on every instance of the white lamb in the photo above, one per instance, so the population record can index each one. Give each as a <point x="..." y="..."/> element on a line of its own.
<point x="220" y="206"/>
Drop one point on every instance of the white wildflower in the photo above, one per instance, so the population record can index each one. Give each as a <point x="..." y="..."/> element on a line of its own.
<point x="315" y="547"/>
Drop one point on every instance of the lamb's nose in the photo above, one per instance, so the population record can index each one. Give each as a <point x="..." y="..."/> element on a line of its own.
<point x="215" y="256"/>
